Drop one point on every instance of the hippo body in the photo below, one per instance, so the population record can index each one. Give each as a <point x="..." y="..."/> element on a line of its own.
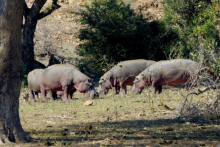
<point x="122" y="75"/>
<point x="171" y="72"/>
<point x="34" y="78"/>
<point x="66" y="78"/>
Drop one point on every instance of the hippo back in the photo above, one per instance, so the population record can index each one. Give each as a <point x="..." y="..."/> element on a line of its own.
<point x="169" y="68"/>
<point x="123" y="71"/>
<point x="130" y="68"/>
<point x="177" y="64"/>
<point x="65" y="72"/>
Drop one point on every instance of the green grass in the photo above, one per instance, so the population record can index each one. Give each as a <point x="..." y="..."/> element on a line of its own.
<point x="140" y="120"/>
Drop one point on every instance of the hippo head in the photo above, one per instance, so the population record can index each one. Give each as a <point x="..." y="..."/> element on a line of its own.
<point x="104" y="86"/>
<point x="87" y="88"/>
<point x="92" y="93"/>
<point x="139" y="85"/>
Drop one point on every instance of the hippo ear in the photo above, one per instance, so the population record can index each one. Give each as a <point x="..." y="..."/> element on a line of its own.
<point x="90" y="80"/>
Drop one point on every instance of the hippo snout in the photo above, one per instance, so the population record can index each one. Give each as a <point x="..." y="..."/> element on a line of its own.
<point x="92" y="94"/>
<point x="136" y="90"/>
<point x="102" y="91"/>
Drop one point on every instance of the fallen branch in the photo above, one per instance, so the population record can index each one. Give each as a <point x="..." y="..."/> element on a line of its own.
<point x="204" y="90"/>
<point x="211" y="87"/>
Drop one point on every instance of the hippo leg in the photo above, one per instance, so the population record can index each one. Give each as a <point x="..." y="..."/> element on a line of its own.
<point x="65" y="93"/>
<point x="50" y="94"/>
<point x="32" y="94"/>
<point x="159" y="87"/>
<point x="54" y="95"/>
<point x="155" y="86"/>
<point x="70" y="96"/>
<point x="124" y="89"/>
<point x="36" y="95"/>
<point x="43" y="94"/>
<point x="117" y="89"/>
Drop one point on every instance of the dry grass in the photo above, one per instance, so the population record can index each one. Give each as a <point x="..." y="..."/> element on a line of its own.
<point x="141" y="120"/>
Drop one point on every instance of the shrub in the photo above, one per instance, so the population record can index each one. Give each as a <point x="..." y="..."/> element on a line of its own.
<point x="114" y="32"/>
<point x="194" y="22"/>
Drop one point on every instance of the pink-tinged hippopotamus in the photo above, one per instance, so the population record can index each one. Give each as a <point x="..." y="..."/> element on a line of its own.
<point x="34" y="78"/>
<point x="66" y="78"/>
<point x="122" y="75"/>
<point x="170" y="72"/>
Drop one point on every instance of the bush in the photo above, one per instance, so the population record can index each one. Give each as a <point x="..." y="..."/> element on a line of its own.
<point x="202" y="112"/>
<point x="114" y="32"/>
<point x="194" y="22"/>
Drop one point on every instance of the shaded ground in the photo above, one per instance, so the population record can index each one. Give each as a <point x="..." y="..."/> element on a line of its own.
<point x="143" y="120"/>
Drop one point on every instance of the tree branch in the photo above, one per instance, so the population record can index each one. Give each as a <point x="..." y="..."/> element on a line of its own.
<point x="47" y="12"/>
<point x="214" y="86"/>
<point x="26" y="10"/>
<point x="36" y="7"/>
<point x="204" y="90"/>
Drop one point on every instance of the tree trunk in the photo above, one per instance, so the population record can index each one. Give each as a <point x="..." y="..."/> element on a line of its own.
<point x="28" y="43"/>
<point x="32" y="15"/>
<point x="10" y="70"/>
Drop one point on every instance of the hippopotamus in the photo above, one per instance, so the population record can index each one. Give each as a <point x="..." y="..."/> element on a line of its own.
<point x="66" y="78"/>
<point x="122" y="75"/>
<point x="34" y="78"/>
<point x="170" y="72"/>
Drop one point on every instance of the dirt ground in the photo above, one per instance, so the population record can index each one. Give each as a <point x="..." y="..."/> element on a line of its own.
<point x="117" y="120"/>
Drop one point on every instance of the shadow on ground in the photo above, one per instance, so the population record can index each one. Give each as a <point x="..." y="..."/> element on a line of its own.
<point x="140" y="132"/>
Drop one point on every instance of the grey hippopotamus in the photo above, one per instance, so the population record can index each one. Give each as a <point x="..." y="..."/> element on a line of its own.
<point x="122" y="75"/>
<point x="170" y="72"/>
<point x="66" y="78"/>
<point x="34" y="78"/>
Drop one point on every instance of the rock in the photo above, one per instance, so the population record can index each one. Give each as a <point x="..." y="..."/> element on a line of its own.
<point x="72" y="133"/>
<point x="141" y="114"/>
<point x="88" y="127"/>
<point x="169" y="129"/>
<point x="88" y="103"/>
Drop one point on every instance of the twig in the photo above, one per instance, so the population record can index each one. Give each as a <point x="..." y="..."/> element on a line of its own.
<point x="62" y="117"/>
<point x="214" y="86"/>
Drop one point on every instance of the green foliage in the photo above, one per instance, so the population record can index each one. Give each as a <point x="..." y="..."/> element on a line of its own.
<point x="195" y="23"/>
<point x="114" y="32"/>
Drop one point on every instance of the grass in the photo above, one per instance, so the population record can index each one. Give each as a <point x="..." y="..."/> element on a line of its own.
<point x="117" y="120"/>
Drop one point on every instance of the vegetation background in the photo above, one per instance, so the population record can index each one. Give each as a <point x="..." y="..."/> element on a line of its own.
<point x="153" y="30"/>
<point x="114" y="32"/>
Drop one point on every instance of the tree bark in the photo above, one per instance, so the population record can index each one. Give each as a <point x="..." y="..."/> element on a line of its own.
<point x="32" y="15"/>
<point x="11" y="68"/>
<point x="31" y="18"/>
